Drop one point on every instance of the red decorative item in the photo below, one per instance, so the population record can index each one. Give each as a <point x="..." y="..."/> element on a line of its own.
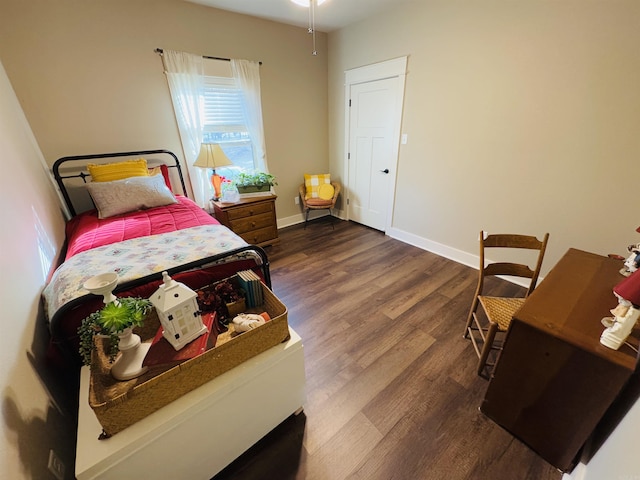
<point x="629" y="288"/>
<point x="216" y="181"/>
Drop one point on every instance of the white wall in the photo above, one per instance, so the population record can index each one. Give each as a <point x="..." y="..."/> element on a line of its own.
<point x="30" y="237"/>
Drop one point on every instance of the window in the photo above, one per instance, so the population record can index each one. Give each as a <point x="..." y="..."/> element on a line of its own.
<point x="224" y="124"/>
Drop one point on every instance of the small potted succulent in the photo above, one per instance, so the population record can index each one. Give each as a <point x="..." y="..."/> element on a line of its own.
<point x="116" y="321"/>
<point x="254" y="182"/>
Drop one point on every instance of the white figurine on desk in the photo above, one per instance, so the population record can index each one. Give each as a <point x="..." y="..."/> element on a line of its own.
<point x="625" y="314"/>
<point x="632" y="262"/>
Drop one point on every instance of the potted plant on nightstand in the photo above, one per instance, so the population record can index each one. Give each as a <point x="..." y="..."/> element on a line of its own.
<point x="254" y="182"/>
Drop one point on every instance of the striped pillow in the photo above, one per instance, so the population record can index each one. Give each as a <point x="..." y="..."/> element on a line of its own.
<point x="313" y="182"/>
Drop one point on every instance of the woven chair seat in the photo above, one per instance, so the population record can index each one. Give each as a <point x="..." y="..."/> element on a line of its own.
<point x="318" y="203"/>
<point x="501" y="309"/>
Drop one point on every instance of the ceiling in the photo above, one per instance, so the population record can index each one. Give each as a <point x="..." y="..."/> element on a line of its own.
<point x="331" y="15"/>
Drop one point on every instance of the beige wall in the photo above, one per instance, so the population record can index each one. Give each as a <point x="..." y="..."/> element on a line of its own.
<point x="37" y="412"/>
<point x="521" y="116"/>
<point x="86" y="74"/>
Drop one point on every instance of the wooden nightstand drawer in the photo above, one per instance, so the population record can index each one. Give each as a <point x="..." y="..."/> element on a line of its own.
<point x="261" y="235"/>
<point x="254" y="219"/>
<point x="250" y="210"/>
<point x="254" y="222"/>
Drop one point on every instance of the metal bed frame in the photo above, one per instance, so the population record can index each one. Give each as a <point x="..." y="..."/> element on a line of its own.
<point x="71" y="168"/>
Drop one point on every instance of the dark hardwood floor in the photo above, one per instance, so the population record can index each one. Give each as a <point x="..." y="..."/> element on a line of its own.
<point x="392" y="391"/>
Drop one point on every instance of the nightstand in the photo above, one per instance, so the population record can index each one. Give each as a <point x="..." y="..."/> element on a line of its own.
<point x="254" y="219"/>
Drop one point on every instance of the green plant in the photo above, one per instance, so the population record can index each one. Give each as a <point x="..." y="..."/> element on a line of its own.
<point x="113" y="318"/>
<point x="257" y="178"/>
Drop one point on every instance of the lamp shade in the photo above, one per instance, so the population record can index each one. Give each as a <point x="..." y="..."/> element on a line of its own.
<point x="629" y="288"/>
<point x="211" y="156"/>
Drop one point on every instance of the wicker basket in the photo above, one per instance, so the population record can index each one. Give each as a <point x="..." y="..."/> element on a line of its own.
<point x="118" y="405"/>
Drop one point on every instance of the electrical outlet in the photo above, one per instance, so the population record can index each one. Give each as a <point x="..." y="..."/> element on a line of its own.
<point x="296" y="200"/>
<point x="56" y="466"/>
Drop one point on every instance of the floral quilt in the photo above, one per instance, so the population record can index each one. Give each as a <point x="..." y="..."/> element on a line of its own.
<point x="137" y="258"/>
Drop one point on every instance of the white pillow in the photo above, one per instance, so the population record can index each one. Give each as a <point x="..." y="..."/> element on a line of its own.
<point x="129" y="195"/>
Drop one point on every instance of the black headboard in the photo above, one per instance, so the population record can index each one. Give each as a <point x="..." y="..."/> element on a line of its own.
<point x="71" y="174"/>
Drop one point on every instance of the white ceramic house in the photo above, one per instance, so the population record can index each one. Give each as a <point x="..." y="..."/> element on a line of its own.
<point x="178" y="312"/>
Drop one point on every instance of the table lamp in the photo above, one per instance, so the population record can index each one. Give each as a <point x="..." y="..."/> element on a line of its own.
<point x="212" y="156"/>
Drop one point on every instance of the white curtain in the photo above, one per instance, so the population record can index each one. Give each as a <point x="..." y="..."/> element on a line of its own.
<point x="247" y="75"/>
<point x="185" y="75"/>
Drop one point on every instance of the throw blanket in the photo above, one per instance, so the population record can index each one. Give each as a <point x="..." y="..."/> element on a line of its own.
<point x="87" y="231"/>
<point x="136" y="258"/>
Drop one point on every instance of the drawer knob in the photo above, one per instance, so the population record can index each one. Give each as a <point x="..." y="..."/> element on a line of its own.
<point x="253" y="224"/>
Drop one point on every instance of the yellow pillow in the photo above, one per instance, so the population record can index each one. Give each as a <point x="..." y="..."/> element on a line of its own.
<point x="109" y="172"/>
<point x="313" y="182"/>
<point x="326" y="191"/>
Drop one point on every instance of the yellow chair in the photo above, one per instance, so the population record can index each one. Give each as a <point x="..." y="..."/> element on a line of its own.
<point x="498" y="311"/>
<point x="318" y="203"/>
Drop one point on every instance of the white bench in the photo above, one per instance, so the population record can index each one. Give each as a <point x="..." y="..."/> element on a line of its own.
<point x="202" y="432"/>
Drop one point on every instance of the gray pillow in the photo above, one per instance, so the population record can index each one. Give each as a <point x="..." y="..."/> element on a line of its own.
<point x="129" y="195"/>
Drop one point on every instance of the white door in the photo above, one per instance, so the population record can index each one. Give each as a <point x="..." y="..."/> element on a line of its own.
<point x="374" y="117"/>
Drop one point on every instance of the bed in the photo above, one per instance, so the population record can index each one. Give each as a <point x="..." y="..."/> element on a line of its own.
<point x="130" y="214"/>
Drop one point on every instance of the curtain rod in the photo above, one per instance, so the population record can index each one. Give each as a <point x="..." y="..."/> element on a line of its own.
<point x="161" y="51"/>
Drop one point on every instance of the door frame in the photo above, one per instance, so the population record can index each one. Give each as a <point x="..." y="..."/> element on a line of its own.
<point x="396" y="67"/>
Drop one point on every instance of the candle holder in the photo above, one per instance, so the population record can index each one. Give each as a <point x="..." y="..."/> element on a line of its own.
<point x="103" y="284"/>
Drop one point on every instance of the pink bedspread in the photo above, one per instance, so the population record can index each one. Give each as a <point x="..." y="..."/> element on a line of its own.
<point x="87" y="231"/>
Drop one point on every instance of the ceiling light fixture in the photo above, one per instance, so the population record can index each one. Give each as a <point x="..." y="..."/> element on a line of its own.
<point x="305" y="3"/>
<point x="311" y="4"/>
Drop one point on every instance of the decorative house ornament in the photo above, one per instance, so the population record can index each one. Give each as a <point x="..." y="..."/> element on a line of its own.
<point x="178" y="311"/>
<point x="626" y="313"/>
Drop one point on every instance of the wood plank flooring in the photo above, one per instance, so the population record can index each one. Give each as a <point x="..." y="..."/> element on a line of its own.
<point x="391" y="386"/>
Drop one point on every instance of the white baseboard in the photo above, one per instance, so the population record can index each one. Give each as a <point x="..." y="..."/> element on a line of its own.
<point x="445" y="251"/>
<point x="434" y="247"/>
<point x="289" y="221"/>
<point x="451" y="253"/>
<point x="299" y="218"/>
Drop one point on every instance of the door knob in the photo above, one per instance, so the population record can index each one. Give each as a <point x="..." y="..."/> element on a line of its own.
<point x="386" y="170"/>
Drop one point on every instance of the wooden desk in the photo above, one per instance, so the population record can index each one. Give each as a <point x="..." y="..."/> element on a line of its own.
<point x="203" y="431"/>
<point x="554" y="380"/>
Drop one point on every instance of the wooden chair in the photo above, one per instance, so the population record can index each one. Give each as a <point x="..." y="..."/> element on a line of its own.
<point x="318" y="203"/>
<point x="498" y="311"/>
